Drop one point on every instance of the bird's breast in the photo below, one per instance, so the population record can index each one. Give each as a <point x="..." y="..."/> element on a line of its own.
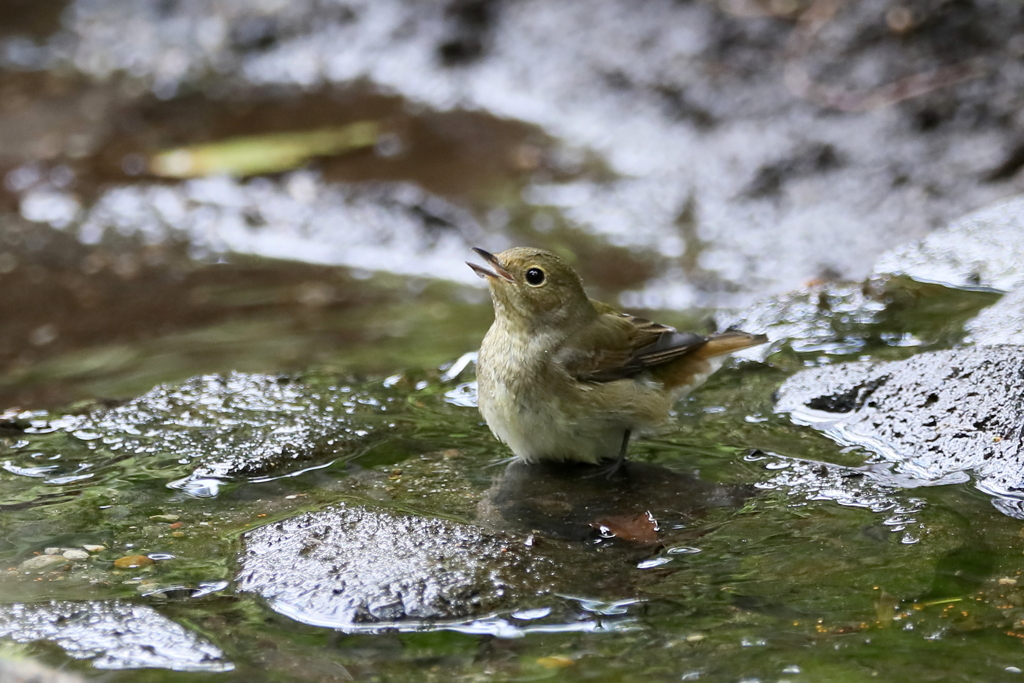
<point x="521" y="389"/>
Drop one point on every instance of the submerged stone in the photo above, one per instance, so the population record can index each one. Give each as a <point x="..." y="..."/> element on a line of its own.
<point x="42" y="562"/>
<point x="114" y="634"/>
<point x="872" y="488"/>
<point x="349" y="566"/>
<point x="980" y="250"/>
<point x="132" y="561"/>
<point x="939" y="415"/>
<point x="830" y="318"/>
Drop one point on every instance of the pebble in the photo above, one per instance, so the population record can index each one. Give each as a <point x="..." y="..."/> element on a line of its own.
<point x="52" y="551"/>
<point x="132" y="561"/>
<point x="75" y="554"/>
<point x="165" y="518"/>
<point x="94" y="548"/>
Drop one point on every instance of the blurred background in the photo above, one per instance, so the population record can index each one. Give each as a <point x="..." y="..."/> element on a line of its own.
<point x="193" y="186"/>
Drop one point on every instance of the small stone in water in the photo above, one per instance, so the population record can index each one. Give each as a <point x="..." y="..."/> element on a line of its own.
<point x="556" y="662"/>
<point x="75" y="554"/>
<point x="165" y="518"/>
<point x="94" y="548"/>
<point x="132" y="561"/>
<point x="52" y="551"/>
<point x="41" y="562"/>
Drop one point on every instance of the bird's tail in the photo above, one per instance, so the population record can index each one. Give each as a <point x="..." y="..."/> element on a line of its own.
<point x="729" y="341"/>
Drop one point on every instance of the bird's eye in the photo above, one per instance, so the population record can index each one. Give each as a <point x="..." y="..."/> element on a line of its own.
<point x="535" y="276"/>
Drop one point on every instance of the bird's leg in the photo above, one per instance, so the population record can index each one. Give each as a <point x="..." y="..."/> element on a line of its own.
<point x="622" y="449"/>
<point x="615" y="465"/>
<point x="621" y="460"/>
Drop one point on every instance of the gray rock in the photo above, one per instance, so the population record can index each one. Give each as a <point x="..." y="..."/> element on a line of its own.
<point x="939" y="415"/>
<point x="28" y="671"/>
<point x="210" y="428"/>
<point x="1001" y="323"/>
<point x="41" y="562"/>
<point x="348" y="566"/>
<point x="983" y="249"/>
<point x="114" y="634"/>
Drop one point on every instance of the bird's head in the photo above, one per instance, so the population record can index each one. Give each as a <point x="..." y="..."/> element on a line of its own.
<point x="534" y="288"/>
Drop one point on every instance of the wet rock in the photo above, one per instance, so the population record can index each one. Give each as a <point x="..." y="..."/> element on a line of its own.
<point x="1001" y="323"/>
<point x="27" y="671"/>
<point x="113" y="634"/>
<point x="214" y="426"/>
<point x="75" y="554"/>
<point x="349" y="566"/>
<point x="939" y="415"/>
<point x="983" y="249"/>
<point x="41" y="562"/>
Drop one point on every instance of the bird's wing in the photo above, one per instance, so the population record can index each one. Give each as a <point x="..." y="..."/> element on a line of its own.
<point x="621" y="345"/>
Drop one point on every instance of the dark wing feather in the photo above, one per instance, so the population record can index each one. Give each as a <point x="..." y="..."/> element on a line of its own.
<point x="647" y="345"/>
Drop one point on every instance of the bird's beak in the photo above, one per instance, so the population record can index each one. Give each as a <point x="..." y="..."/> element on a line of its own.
<point x="494" y="263"/>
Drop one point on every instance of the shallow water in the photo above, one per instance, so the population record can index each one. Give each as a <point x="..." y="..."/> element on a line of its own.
<point x="188" y="366"/>
<point x="818" y="572"/>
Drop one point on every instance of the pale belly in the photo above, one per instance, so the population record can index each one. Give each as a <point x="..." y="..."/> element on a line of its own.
<point x="542" y="428"/>
<point x="546" y="415"/>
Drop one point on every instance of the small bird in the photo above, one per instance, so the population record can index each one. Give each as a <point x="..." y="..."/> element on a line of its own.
<point x="562" y="377"/>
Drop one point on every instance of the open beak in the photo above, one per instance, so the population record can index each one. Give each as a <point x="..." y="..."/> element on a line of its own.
<point x="494" y="263"/>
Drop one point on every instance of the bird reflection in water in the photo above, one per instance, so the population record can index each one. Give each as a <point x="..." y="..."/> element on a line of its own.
<point x="642" y="503"/>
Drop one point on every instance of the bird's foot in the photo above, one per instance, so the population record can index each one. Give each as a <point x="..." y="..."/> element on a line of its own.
<point x="618" y="465"/>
